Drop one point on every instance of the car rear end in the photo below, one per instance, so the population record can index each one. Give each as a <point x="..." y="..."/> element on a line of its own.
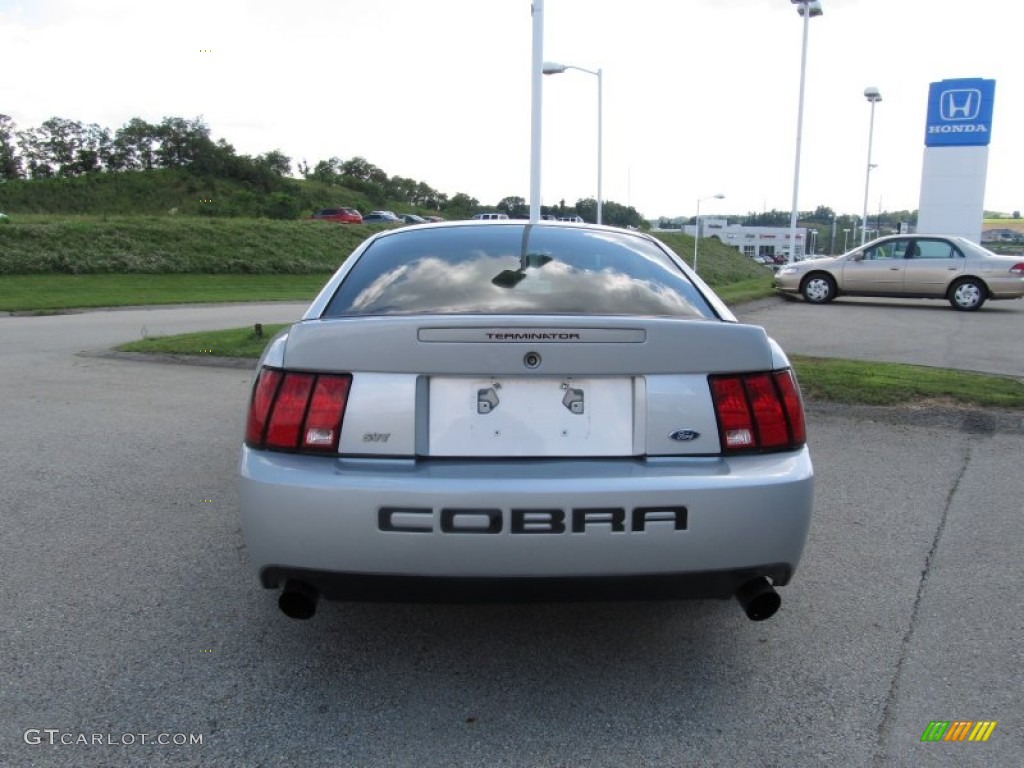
<point x="1002" y="275"/>
<point x="432" y="429"/>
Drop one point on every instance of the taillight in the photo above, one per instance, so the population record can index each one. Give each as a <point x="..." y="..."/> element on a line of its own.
<point x="1018" y="269"/>
<point x="758" y="411"/>
<point x="297" y="411"/>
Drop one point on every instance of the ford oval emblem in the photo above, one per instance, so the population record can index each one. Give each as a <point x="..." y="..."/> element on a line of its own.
<point x="684" y="435"/>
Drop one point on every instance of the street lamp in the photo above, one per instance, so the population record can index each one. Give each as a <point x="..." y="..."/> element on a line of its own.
<point x="872" y="95"/>
<point x="807" y="9"/>
<point x="536" y="88"/>
<point x="551" y="68"/>
<point x="846" y="237"/>
<point x="696" y="229"/>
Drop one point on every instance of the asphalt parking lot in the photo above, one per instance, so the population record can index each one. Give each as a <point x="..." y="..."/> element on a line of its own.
<point x="130" y="615"/>
<point x="919" y="331"/>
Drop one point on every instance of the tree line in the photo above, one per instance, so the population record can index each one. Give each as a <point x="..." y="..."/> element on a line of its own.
<point x="822" y="215"/>
<point x="61" y="148"/>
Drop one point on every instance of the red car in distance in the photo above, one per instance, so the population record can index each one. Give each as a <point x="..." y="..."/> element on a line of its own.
<point x="339" y="215"/>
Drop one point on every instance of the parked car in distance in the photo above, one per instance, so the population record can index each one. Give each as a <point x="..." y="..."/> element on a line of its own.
<point x="341" y="215"/>
<point x="499" y="410"/>
<point x="490" y="216"/>
<point x="909" y="266"/>
<point x="434" y="219"/>
<point x="573" y="219"/>
<point x="412" y="218"/>
<point x="381" y="217"/>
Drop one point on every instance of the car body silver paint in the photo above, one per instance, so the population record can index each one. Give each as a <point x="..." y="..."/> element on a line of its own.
<point x="391" y="345"/>
<point x="321" y="513"/>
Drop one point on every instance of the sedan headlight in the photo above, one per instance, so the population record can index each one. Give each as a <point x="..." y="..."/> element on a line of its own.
<point x="789" y="270"/>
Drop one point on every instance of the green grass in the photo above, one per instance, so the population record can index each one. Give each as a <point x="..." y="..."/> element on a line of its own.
<point x="50" y="262"/>
<point x="870" y="383"/>
<point x="42" y="293"/>
<point x="235" y="342"/>
<point x="821" y="379"/>
<point x="717" y="264"/>
<point x="174" y="245"/>
<point x="746" y="290"/>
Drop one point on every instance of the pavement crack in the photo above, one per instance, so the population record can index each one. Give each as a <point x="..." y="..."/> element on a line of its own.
<point x="888" y="711"/>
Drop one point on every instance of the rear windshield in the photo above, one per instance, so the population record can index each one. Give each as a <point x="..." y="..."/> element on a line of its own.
<point x="518" y="270"/>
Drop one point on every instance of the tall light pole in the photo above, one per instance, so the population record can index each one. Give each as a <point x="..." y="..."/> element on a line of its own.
<point x="807" y="9"/>
<point x="536" y="88"/>
<point x="846" y="238"/>
<point x="871" y="94"/>
<point x="551" y="68"/>
<point x="696" y="229"/>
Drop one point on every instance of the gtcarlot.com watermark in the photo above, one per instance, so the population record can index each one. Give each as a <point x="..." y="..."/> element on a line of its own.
<point x="57" y="737"/>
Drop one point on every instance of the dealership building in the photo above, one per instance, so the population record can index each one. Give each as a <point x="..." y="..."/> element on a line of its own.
<point x="750" y="241"/>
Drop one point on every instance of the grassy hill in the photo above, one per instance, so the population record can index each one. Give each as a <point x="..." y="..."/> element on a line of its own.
<point x="170" y="236"/>
<point x="173" y="244"/>
<point x="178" y="244"/>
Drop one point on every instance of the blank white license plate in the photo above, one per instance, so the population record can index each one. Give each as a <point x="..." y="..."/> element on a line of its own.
<point x="531" y="416"/>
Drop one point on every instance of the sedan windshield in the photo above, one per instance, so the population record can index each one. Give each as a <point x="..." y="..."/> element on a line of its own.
<point x="516" y="270"/>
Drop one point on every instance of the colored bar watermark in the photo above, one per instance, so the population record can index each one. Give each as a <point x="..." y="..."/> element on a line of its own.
<point x="958" y="730"/>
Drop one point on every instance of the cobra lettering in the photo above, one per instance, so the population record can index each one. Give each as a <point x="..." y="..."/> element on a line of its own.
<point x="579" y="520"/>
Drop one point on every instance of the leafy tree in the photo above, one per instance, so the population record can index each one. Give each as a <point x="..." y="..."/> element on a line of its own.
<point x="612" y="213"/>
<point x="134" y="146"/>
<point x="772" y="218"/>
<point x="32" y="143"/>
<point x="362" y="169"/>
<point x="61" y="140"/>
<point x="276" y="162"/>
<point x="461" y="206"/>
<point x="10" y="162"/>
<point x="587" y="209"/>
<point x="94" y="152"/>
<point x="401" y="189"/>
<point x="326" y="171"/>
<point x="183" y="141"/>
<point x="822" y="214"/>
<point x="514" y="207"/>
<point x="427" y="196"/>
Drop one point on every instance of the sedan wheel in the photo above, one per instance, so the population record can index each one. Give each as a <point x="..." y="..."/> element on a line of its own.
<point x="968" y="295"/>
<point x="819" y="289"/>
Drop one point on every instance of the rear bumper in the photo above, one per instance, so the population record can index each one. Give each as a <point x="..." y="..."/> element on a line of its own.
<point x="667" y="527"/>
<point x="440" y="589"/>
<point x="1005" y="287"/>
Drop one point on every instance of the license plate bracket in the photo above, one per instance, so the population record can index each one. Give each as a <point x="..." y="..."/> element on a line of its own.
<point x="531" y="416"/>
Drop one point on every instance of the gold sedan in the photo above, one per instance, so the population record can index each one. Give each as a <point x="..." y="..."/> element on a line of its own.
<point x="909" y="266"/>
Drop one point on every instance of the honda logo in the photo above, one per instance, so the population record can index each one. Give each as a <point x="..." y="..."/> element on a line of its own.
<point x="961" y="104"/>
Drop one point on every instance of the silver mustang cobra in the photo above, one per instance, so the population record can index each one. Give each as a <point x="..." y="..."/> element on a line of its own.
<point x="504" y="410"/>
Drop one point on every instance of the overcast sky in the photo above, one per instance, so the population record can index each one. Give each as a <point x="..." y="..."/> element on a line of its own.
<point x="700" y="96"/>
